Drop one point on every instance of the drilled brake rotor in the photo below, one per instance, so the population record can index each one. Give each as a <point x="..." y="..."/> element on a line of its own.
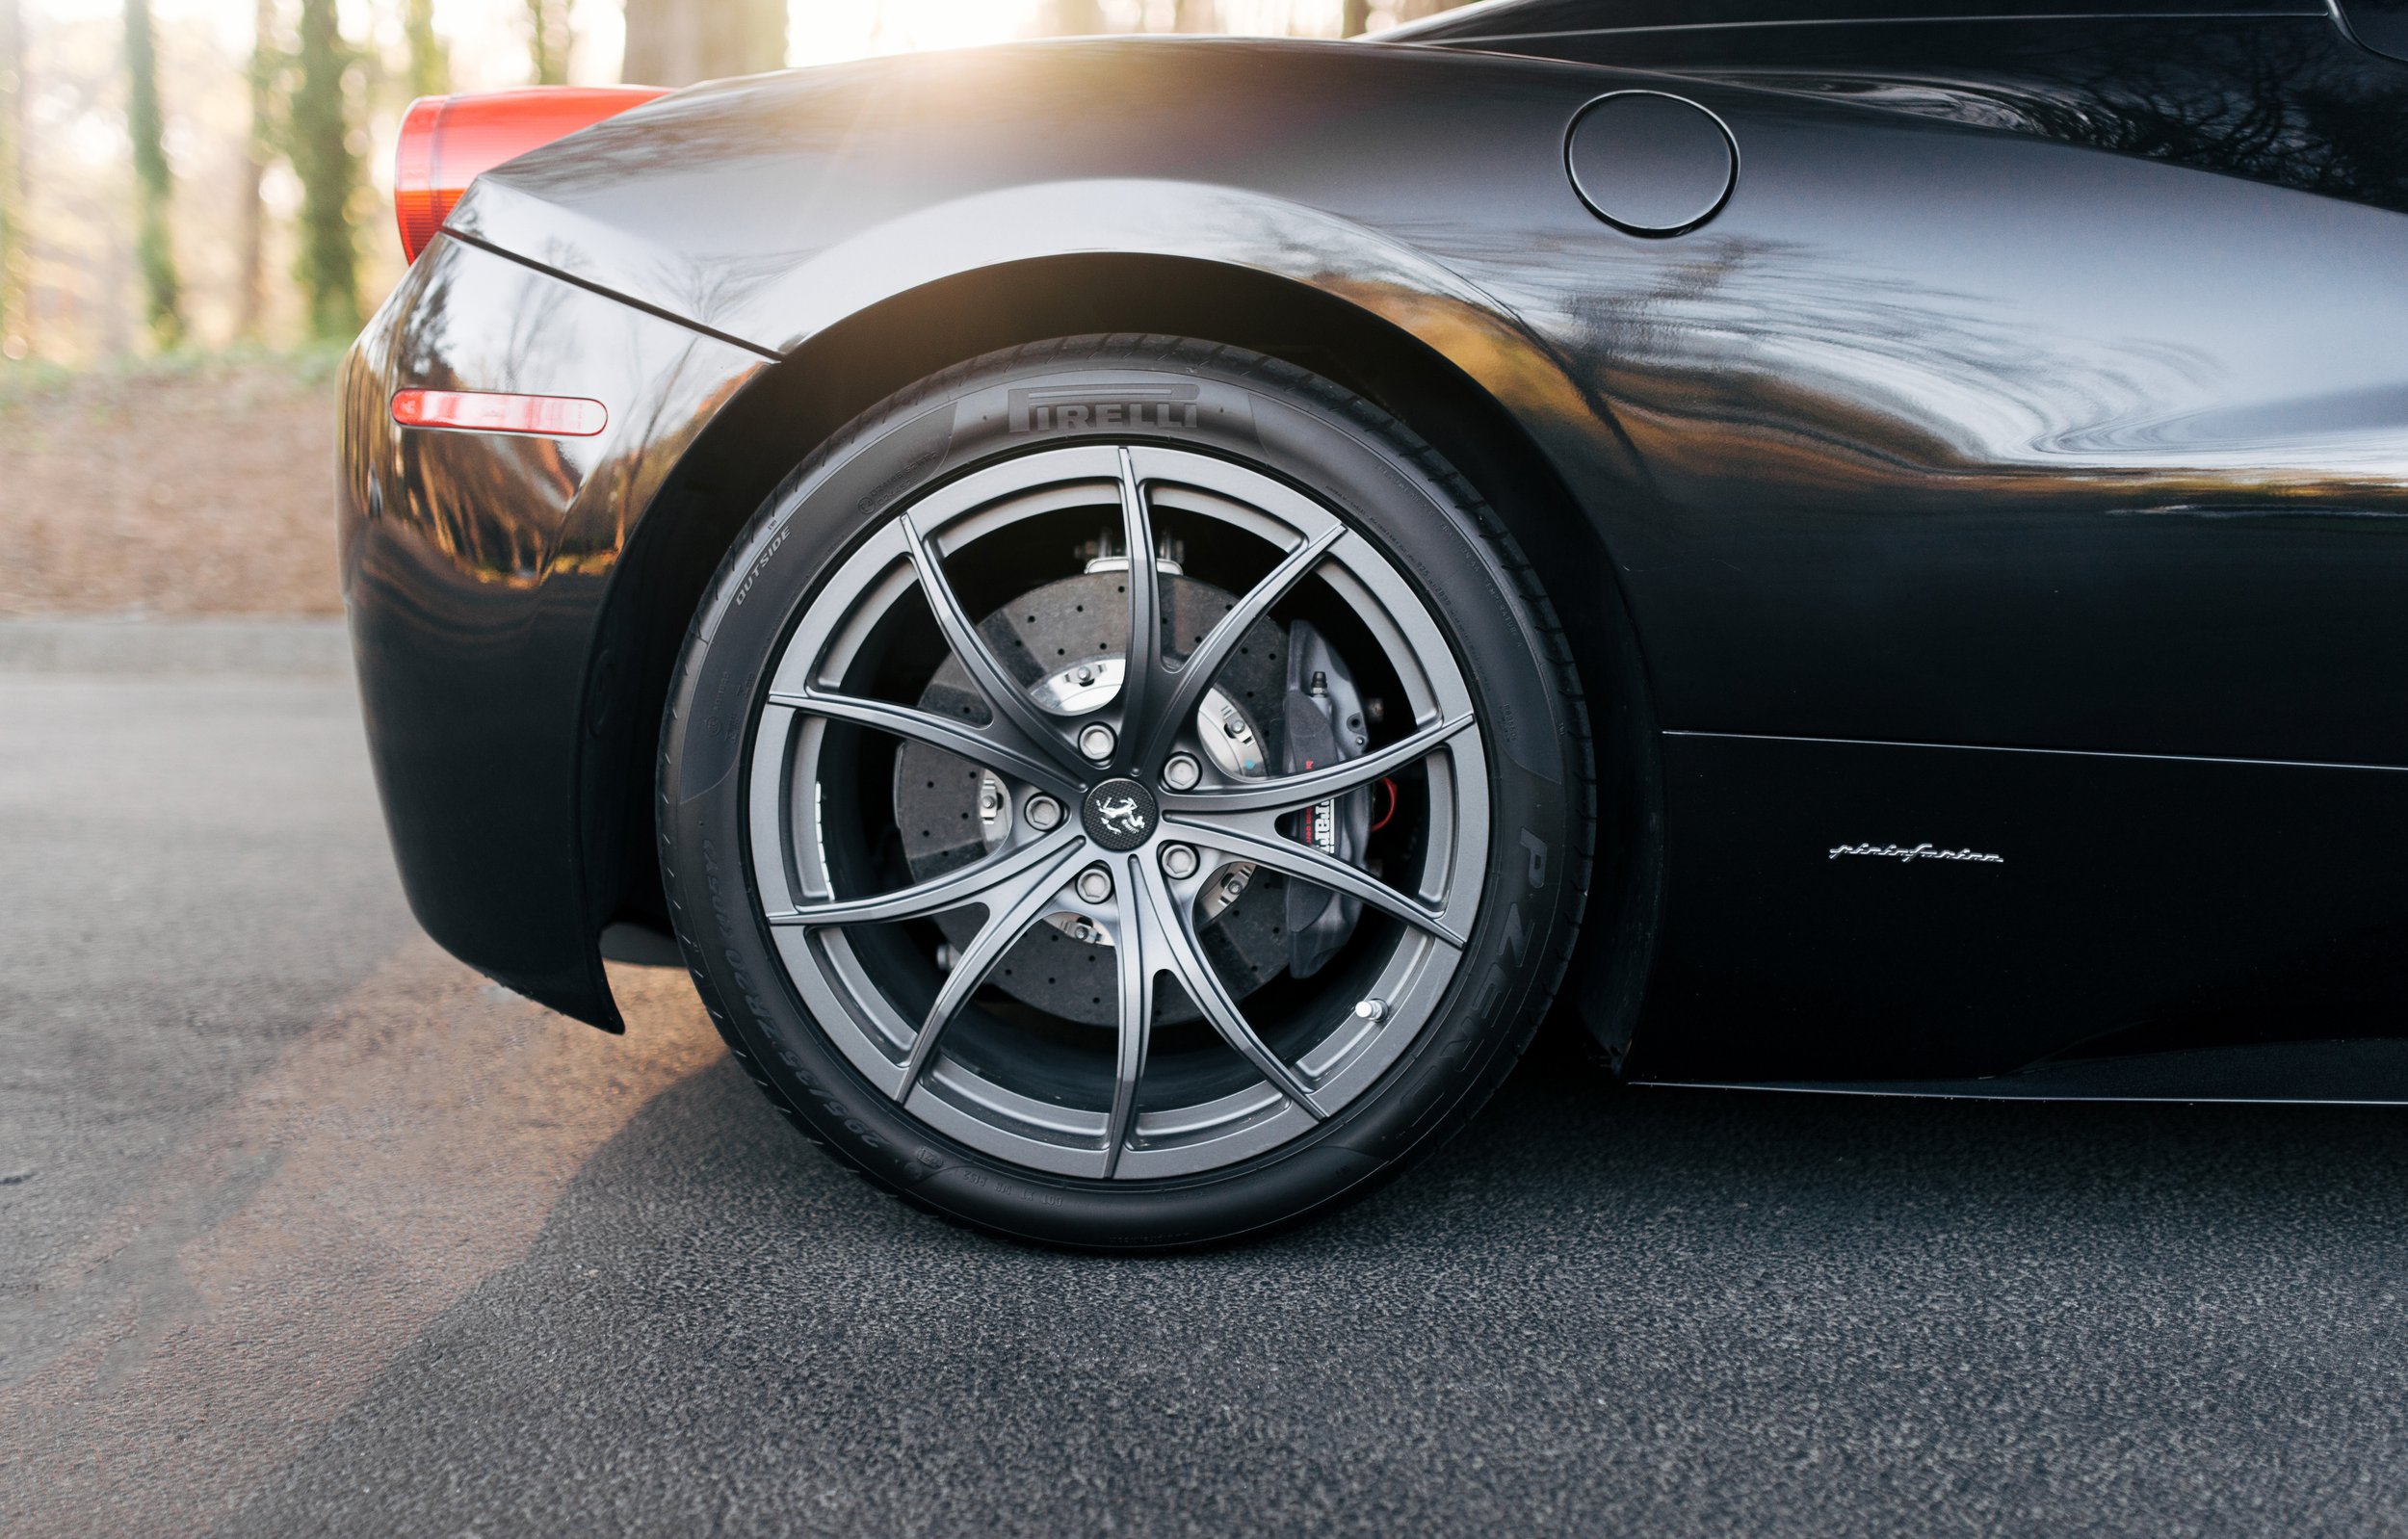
<point x="1050" y="638"/>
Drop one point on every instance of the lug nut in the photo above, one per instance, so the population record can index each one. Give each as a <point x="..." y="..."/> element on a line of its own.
<point x="1045" y="814"/>
<point x="1370" y="1009"/>
<point x="1182" y="772"/>
<point x="1097" y="742"/>
<point x="1179" y="860"/>
<point x="1095" y="884"/>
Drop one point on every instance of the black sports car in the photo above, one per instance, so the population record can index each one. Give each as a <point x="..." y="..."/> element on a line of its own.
<point x="1139" y="608"/>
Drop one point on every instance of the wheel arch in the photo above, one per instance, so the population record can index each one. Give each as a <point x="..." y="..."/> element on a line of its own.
<point x="849" y="366"/>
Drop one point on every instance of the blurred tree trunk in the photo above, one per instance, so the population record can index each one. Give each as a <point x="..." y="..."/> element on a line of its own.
<point x="1196" y="15"/>
<point x="548" y="38"/>
<point x="319" y="144"/>
<point x="112" y="297"/>
<point x="429" y="63"/>
<point x="251" y="280"/>
<point x="676" y="42"/>
<point x="17" y="338"/>
<point x="1064" y="19"/>
<point x="154" y="184"/>
<point x="1355" y="19"/>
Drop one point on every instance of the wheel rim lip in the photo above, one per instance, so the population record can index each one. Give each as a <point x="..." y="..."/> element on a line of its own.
<point x="853" y="1014"/>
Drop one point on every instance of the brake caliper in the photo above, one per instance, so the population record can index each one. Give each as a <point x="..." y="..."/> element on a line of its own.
<point x="1324" y="721"/>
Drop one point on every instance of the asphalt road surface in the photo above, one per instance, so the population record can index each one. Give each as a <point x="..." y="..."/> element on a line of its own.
<point x="305" y="1229"/>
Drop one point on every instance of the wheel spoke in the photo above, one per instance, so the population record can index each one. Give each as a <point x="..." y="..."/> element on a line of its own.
<point x="1004" y="693"/>
<point x="992" y="881"/>
<point x="1185" y="959"/>
<point x="1007" y="918"/>
<point x="1303" y="862"/>
<point x="1139" y="958"/>
<point x="1289" y="793"/>
<point x="996" y="745"/>
<point x="1197" y="670"/>
<point x="1142" y="678"/>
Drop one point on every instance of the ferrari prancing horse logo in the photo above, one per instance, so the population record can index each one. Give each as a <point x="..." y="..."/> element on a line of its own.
<point x="1119" y="813"/>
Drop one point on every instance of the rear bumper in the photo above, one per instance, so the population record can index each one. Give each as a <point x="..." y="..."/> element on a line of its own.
<point x="476" y="567"/>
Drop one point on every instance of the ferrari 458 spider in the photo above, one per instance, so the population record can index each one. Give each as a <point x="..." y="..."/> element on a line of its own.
<point x="1139" y="608"/>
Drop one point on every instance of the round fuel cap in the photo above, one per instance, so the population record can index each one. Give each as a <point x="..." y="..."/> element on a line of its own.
<point x="1652" y="162"/>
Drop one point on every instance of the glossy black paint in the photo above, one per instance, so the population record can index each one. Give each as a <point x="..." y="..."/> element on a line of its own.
<point x="2140" y="905"/>
<point x="2382" y="25"/>
<point x="472" y="592"/>
<point x="2038" y="387"/>
<point x="2287" y="101"/>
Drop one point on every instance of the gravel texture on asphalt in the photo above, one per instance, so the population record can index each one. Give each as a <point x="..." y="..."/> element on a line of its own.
<point x="506" y="1275"/>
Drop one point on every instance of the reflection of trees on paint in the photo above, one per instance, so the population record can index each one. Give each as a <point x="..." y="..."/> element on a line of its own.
<point x="1788" y="363"/>
<point x="2274" y="102"/>
<point x="490" y="505"/>
<point x="515" y="511"/>
<point x="1812" y="366"/>
<point x="1924" y="375"/>
<point x="507" y="510"/>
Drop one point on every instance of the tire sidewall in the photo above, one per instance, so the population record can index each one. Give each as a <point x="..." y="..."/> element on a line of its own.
<point x="1387" y="487"/>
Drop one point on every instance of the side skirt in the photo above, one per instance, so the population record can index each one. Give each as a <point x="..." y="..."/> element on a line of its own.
<point x="1913" y="919"/>
<point x="2364" y="1073"/>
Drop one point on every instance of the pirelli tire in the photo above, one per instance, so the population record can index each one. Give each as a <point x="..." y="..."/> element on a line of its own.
<point x="936" y="509"/>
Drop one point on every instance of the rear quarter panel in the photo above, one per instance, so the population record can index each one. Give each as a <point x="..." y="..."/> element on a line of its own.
<point x="472" y="566"/>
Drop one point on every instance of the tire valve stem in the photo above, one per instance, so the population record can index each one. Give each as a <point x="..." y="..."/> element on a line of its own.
<point x="946" y="957"/>
<point x="1373" y="1011"/>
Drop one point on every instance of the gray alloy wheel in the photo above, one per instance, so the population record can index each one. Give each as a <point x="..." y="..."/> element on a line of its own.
<point x="1115" y="828"/>
<point x="1126" y="791"/>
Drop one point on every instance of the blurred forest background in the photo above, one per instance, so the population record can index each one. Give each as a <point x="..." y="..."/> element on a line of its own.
<point x="196" y="217"/>
<point x="206" y="173"/>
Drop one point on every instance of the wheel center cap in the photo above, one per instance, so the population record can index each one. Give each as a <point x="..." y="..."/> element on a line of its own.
<point x="1119" y="813"/>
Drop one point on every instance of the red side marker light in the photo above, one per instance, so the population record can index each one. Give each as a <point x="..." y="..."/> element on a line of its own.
<point x="488" y="411"/>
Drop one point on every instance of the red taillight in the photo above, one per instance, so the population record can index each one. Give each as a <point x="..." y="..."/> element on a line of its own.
<point x="488" y="411"/>
<point x="448" y="142"/>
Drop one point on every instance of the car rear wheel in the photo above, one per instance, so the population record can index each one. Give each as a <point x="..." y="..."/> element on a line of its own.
<point x="1125" y="792"/>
